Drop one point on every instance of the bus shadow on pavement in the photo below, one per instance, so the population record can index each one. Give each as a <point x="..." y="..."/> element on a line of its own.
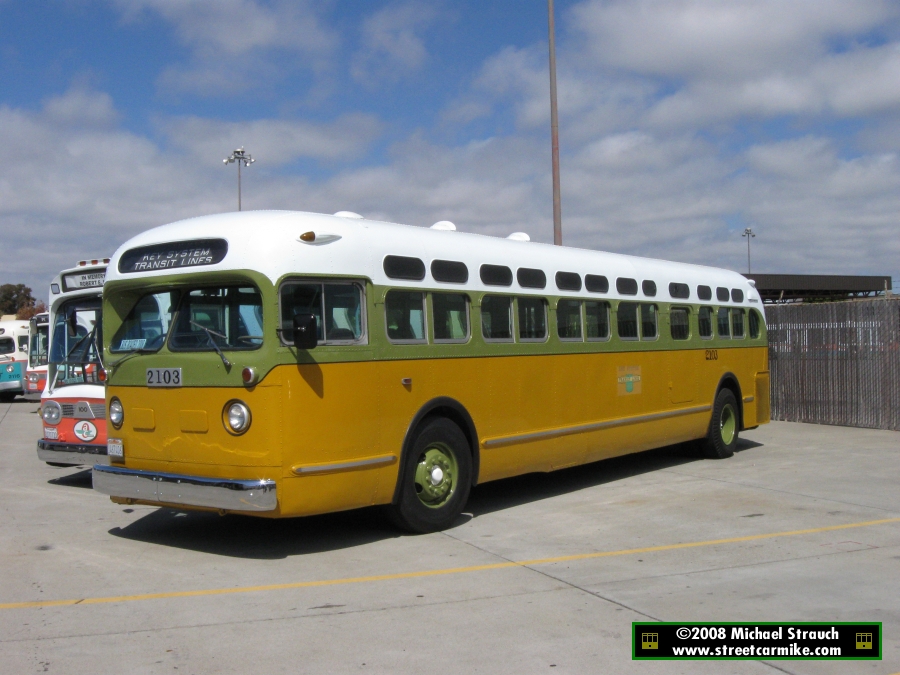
<point x="249" y="537"/>
<point x="532" y="487"/>
<point x="79" y="479"/>
<point x="272" y="539"/>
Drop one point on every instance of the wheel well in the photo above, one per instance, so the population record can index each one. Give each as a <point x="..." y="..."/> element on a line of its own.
<point x="729" y="381"/>
<point x="452" y="410"/>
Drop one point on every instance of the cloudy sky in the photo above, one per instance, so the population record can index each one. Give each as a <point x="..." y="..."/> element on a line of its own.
<point x="681" y="123"/>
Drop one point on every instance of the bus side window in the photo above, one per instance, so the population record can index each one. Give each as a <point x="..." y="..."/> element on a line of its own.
<point x="679" y="323"/>
<point x="568" y="320"/>
<point x="450" y="316"/>
<point x="754" y="324"/>
<point x="596" y="320"/>
<point x="496" y="318"/>
<point x="649" y="316"/>
<point x="532" y="319"/>
<point x="628" y="320"/>
<point x="723" y="327"/>
<point x="343" y="313"/>
<point x="737" y="323"/>
<point x="704" y="322"/>
<point x="404" y="313"/>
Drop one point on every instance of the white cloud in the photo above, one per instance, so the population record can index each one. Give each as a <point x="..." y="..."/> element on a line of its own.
<point x="710" y="38"/>
<point x="276" y="142"/>
<point x="235" y="43"/>
<point x="81" y="107"/>
<point x="392" y="45"/>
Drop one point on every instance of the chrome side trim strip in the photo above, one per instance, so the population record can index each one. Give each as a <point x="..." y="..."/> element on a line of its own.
<point x="354" y="465"/>
<point x="748" y="399"/>
<point x="594" y="426"/>
<point x="169" y="488"/>
<point x="73" y="454"/>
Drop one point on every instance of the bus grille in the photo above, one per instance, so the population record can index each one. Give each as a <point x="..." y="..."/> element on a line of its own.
<point x="98" y="410"/>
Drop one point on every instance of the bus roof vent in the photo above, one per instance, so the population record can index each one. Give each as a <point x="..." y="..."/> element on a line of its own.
<point x="348" y="214"/>
<point x="752" y="282"/>
<point x="519" y="236"/>
<point x="444" y="225"/>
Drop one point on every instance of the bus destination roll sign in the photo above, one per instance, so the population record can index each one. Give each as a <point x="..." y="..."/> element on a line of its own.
<point x="80" y="280"/>
<point x="173" y="256"/>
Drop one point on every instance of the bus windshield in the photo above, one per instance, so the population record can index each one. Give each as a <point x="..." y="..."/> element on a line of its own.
<point x="75" y="356"/>
<point x="37" y="353"/>
<point x="7" y="345"/>
<point x="201" y="319"/>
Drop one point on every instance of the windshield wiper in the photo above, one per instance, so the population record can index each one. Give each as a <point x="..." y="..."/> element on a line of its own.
<point x="77" y="344"/>
<point x="209" y="335"/>
<point x="131" y="352"/>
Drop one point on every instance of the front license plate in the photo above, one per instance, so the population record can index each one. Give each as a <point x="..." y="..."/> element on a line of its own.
<point x="163" y="377"/>
<point x="115" y="449"/>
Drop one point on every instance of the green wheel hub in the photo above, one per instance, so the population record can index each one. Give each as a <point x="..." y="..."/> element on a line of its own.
<point x="727" y="424"/>
<point x="436" y="475"/>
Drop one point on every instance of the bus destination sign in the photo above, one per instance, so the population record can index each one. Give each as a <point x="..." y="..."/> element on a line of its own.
<point x="173" y="256"/>
<point x="78" y="281"/>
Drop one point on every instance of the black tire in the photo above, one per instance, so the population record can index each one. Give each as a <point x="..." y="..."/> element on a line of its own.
<point x="724" y="426"/>
<point x="439" y="451"/>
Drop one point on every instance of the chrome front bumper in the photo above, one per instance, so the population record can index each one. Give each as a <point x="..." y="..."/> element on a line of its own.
<point x="73" y="454"/>
<point x="174" y="489"/>
<point x="11" y="385"/>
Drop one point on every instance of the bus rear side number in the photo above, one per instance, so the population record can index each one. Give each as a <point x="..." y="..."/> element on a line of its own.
<point x="712" y="354"/>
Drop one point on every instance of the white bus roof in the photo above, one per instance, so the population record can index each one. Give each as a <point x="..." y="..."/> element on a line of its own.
<point x="269" y="242"/>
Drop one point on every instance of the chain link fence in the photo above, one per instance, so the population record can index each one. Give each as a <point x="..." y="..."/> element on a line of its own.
<point x="836" y="363"/>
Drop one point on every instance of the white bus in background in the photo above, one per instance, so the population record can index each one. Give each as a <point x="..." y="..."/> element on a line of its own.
<point x="38" y="355"/>
<point x="13" y="356"/>
<point x="73" y="404"/>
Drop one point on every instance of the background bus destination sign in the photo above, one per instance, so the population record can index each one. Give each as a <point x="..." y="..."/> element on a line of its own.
<point x="176" y="255"/>
<point x="74" y="282"/>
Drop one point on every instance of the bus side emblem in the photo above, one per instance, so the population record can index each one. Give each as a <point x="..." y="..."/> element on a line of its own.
<point x="628" y="380"/>
<point x="85" y="431"/>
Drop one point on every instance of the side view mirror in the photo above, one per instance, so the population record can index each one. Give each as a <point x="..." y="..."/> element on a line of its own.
<point x="72" y="324"/>
<point x="305" y="336"/>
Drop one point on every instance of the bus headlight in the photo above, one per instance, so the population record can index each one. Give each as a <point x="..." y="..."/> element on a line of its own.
<point x="116" y="412"/>
<point x="9" y="368"/>
<point x="51" y="412"/>
<point x="236" y="417"/>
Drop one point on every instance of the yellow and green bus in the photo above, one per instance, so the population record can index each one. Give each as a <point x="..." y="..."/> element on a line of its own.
<point x="288" y="364"/>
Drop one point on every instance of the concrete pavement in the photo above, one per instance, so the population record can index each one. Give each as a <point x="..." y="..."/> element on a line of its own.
<point x="94" y="587"/>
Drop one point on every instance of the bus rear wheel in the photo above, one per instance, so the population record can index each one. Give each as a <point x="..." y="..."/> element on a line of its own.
<point x="722" y="436"/>
<point x="435" y="479"/>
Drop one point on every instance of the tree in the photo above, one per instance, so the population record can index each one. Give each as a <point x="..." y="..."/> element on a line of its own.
<point x="28" y="312"/>
<point x="15" y="297"/>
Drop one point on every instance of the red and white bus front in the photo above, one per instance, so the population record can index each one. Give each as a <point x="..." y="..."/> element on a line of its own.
<point x="73" y="405"/>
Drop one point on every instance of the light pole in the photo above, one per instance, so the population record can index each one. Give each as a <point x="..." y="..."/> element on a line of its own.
<point x="240" y="157"/>
<point x="749" y="234"/>
<point x="554" y="132"/>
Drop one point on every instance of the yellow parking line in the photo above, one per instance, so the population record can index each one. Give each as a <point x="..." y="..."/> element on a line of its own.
<point x="432" y="573"/>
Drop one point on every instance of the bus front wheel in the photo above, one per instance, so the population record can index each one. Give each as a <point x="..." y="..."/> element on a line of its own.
<point x="435" y="479"/>
<point x="722" y="436"/>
